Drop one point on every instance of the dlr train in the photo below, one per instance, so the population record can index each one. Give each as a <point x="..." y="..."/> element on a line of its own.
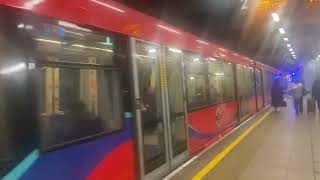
<point x="91" y="89"/>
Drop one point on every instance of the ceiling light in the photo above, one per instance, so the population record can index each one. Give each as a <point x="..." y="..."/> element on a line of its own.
<point x="219" y="74"/>
<point x="282" y="31"/>
<point x="275" y="17"/>
<point x="50" y="41"/>
<point x="196" y="59"/>
<point x="14" y="68"/>
<point x="292" y="53"/>
<point x="89" y="47"/>
<point x="212" y="59"/>
<point x="20" y="25"/>
<point x="152" y="50"/>
<point x="73" y="26"/>
<point x="291" y="49"/>
<point x="175" y="50"/>
<point x="288" y="45"/>
<point x="285" y="39"/>
<point x="75" y="33"/>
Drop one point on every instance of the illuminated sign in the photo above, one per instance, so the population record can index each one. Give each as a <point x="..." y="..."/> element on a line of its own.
<point x="244" y="4"/>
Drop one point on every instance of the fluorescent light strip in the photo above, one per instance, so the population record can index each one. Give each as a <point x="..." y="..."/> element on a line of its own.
<point x="175" y="50"/>
<point x="168" y="29"/>
<point x="144" y="56"/>
<point x="108" y="6"/>
<point x="50" y="41"/>
<point x="73" y="26"/>
<point x="89" y="47"/>
<point x="79" y="34"/>
<point x="75" y="49"/>
<point x="219" y="74"/>
<point x="202" y="42"/>
<point x="288" y="45"/>
<point x="285" y="39"/>
<point x="212" y="59"/>
<point x="14" y="68"/>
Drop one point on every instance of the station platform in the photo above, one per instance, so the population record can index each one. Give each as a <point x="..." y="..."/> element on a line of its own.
<point x="270" y="146"/>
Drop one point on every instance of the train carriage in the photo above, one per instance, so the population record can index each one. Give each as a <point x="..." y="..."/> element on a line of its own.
<point x="92" y="89"/>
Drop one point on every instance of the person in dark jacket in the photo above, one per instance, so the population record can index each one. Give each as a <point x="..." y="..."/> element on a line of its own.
<point x="277" y="92"/>
<point x="316" y="91"/>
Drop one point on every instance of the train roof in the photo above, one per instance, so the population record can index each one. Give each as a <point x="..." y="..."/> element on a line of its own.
<point x="113" y="16"/>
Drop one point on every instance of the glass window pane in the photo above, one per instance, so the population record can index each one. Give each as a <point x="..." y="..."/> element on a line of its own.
<point x="50" y="42"/>
<point x="77" y="103"/>
<point x="179" y="134"/>
<point x="215" y="89"/>
<point x="215" y="67"/>
<point x="228" y="88"/>
<point x="196" y="87"/>
<point x="194" y="63"/>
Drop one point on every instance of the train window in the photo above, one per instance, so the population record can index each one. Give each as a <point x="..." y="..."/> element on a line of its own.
<point x="76" y="103"/>
<point x="78" y="81"/>
<point x="215" y="70"/>
<point x="196" y="90"/>
<point x="228" y="82"/>
<point x="67" y="44"/>
<point x="196" y="80"/>
<point x="221" y="81"/>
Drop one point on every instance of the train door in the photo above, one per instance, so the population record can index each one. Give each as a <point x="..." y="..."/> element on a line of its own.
<point x="160" y="111"/>
<point x="241" y="83"/>
<point x="245" y="86"/>
<point x="259" y="89"/>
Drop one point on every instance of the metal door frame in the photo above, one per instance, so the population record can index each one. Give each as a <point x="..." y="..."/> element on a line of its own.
<point x="171" y="162"/>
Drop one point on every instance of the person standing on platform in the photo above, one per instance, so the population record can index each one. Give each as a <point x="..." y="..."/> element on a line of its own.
<point x="316" y="91"/>
<point x="297" y="94"/>
<point x="277" y="92"/>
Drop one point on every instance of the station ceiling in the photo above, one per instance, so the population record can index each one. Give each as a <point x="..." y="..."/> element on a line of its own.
<point x="246" y="26"/>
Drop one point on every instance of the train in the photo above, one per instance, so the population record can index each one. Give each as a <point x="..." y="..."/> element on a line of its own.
<point x="92" y="89"/>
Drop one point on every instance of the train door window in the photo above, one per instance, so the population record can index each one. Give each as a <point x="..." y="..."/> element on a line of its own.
<point x="78" y="81"/>
<point x="259" y="86"/>
<point x="215" y="69"/>
<point x="195" y="80"/>
<point x="228" y="82"/>
<point x="174" y="59"/>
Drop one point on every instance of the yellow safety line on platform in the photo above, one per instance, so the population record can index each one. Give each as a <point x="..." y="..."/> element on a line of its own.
<point x="214" y="162"/>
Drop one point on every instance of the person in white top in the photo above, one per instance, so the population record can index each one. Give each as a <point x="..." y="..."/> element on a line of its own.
<point x="296" y="91"/>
